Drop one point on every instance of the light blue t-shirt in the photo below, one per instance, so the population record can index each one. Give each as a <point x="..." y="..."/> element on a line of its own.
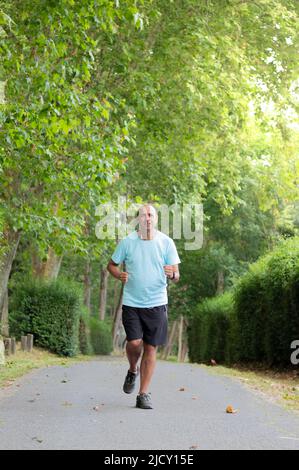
<point x="144" y="260"/>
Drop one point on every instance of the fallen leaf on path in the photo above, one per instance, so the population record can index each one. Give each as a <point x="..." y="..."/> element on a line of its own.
<point x="37" y="440"/>
<point x="194" y="398"/>
<point x="193" y="447"/>
<point x="66" y="403"/>
<point x="230" y="410"/>
<point x="182" y="389"/>
<point x="9" y="382"/>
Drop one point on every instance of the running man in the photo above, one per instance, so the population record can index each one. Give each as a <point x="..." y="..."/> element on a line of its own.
<point x="150" y="258"/>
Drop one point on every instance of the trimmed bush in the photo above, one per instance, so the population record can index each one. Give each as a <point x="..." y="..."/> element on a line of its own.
<point x="212" y="331"/>
<point x="251" y="314"/>
<point x="267" y="306"/>
<point x="258" y="320"/>
<point x="50" y="311"/>
<point x="101" y="336"/>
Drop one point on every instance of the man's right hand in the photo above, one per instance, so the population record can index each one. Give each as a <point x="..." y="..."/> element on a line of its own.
<point x="123" y="277"/>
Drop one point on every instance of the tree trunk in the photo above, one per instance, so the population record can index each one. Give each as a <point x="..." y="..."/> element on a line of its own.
<point x="11" y="240"/>
<point x="220" y="283"/>
<point x="117" y="317"/>
<point x="181" y="332"/>
<point x="103" y="292"/>
<point x="87" y="285"/>
<point x="169" y="346"/>
<point x="48" y="269"/>
<point x="2" y="352"/>
<point x="4" y="317"/>
<point x="52" y="265"/>
<point x="36" y="262"/>
<point x="185" y="348"/>
<point x="184" y="351"/>
<point x="115" y="296"/>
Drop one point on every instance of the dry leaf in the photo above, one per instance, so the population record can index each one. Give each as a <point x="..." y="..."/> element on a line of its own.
<point x="230" y="410"/>
<point x="66" y="403"/>
<point x="9" y="382"/>
<point x="182" y="389"/>
<point x="193" y="447"/>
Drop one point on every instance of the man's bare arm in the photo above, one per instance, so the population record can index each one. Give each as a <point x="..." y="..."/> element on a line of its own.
<point x="115" y="272"/>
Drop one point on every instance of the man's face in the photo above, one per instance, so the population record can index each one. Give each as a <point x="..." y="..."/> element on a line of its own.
<point x="147" y="217"/>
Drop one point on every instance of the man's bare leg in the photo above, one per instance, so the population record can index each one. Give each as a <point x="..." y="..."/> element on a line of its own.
<point x="134" y="350"/>
<point x="147" y="367"/>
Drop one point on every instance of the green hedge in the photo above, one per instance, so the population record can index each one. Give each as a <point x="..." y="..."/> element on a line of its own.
<point x="251" y="313"/>
<point x="267" y="306"/>
<point x="212" y="332"/>
<point x="101" y="336"/>
<point x="258" y="320"/>
<point x="50" y="311"/>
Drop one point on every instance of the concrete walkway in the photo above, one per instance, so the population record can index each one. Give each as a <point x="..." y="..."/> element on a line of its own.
<point x="82" y="406"/>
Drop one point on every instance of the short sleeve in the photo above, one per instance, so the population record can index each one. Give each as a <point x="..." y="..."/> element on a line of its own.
<point x="172" y="256"/>
<point x="119" y="254"/>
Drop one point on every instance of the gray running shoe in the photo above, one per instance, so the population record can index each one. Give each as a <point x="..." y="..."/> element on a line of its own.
<point x="130" y="381"/>
<point x="144" y="401"/>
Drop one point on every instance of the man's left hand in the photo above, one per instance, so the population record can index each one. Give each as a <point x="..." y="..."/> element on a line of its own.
<point x="168" y="270"/>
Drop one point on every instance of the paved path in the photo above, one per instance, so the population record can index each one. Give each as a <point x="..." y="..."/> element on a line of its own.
<point x="53" y="408"/>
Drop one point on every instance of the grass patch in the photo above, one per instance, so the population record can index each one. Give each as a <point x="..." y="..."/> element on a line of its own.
<point x="171" y="359"/>
<point x="277" y="386"/>
<point x="23" y="362"/>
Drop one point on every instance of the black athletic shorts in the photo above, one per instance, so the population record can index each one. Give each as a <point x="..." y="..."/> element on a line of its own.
<point x="149" y="324"/>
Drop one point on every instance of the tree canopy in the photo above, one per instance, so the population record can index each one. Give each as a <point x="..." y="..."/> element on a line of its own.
<point x="169" y="101"/>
